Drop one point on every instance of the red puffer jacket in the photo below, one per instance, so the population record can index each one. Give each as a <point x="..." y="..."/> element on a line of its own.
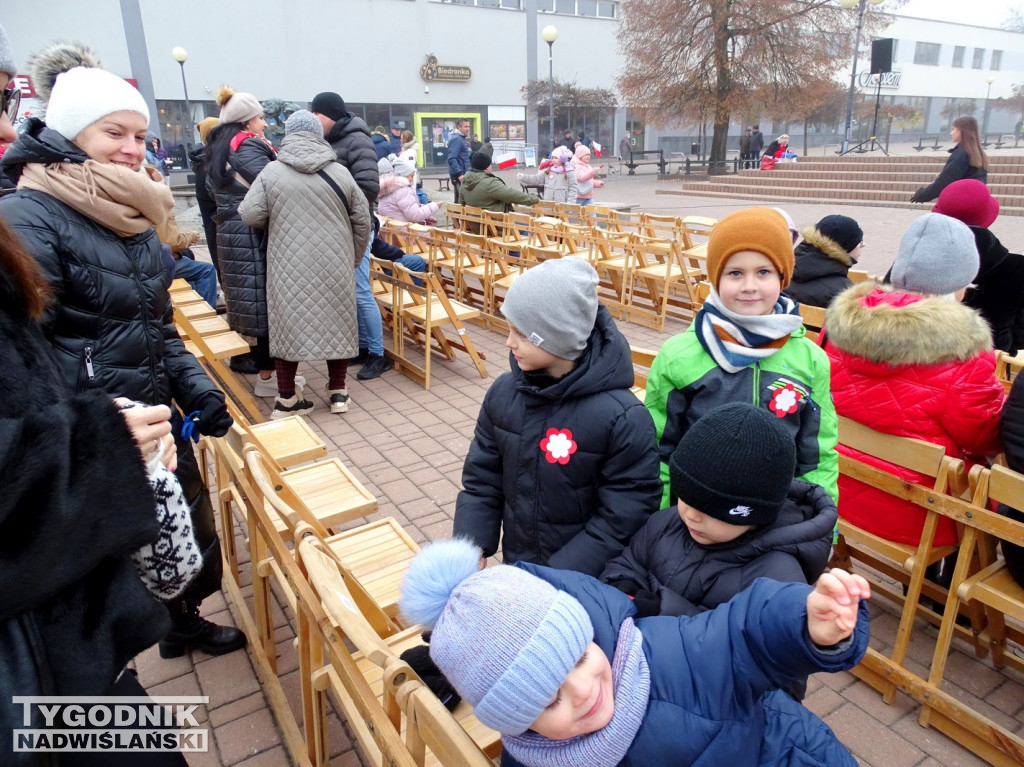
<point x="916" y="367"/>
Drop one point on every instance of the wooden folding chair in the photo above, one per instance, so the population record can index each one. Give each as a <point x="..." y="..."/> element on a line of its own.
<point x="513" y="233"/>
<point x="903" y="563"/>
<point x="642" y="360"/>
<point x="1008" y="367"/>
<point x="432" y="734"/>
<point x="613" y="260"/>
<point x="660" y="280"/>
<point x="814" y="320"/>
<point x="470" y="269"/>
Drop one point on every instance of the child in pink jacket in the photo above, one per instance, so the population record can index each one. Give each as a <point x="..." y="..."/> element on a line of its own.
<point x="585" y="176"/>
<point x="398" y="198"/>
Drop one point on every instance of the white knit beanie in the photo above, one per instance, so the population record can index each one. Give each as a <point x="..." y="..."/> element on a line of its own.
<point x="83" y="95"/>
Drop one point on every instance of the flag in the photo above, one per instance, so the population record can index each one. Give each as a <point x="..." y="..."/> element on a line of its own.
<point x="596" y="147"/>
<point x="506" y="160"/>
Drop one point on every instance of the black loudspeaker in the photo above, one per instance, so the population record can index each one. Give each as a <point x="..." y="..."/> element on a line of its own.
<point x="881" y="55"/>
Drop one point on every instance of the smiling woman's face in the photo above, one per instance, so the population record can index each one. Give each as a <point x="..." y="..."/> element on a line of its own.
<point x="118" y="138"/>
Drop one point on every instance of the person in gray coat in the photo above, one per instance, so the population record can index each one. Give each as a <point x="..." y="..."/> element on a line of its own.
<point x="319" y="227"/>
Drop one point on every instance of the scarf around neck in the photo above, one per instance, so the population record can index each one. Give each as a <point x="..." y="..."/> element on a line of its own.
<point x="736" y="341"/>
<point x="125" y="201"/>
<point x="631" y="680"/>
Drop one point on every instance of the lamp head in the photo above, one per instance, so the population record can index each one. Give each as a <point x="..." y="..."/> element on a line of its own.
<point x="549" y="33"/>
<point x="990" y="79"/>
<point x="179" y="54"/>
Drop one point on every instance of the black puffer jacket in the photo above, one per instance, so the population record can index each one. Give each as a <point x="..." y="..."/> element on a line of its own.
<point x="1012" y="426"/>
<point x="998" y="291"/>
<point x="242" y="250"/>
<point x="573" y="515"/>
<point x="957" y="167"/>
<point x="111" y="325"/>
<point x="74" y="504"/>
<point x="820" y="272"/>
<point x="690" y="578"/>
<point x="204" y="200"/>
<point x="350" y="140"/>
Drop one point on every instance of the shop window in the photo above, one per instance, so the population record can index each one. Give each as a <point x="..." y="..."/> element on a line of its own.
<point x="958" y="56"/>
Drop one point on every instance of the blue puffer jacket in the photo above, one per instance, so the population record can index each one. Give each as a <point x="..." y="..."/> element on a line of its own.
<point x="575" y="513"/>
<point x="716" y="678"/>
<point x="458" y="154"/>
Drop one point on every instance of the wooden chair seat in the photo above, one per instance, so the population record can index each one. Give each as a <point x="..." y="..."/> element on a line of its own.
<point x="198" y="310"/>
<point x="179" y="285"/>
<point x="330" y="491"/>
<point x="437" y="310"/>
<point x="289" y="441"/>
<point x="222" y="345"/>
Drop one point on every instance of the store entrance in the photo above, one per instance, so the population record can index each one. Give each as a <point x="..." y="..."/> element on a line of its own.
<point x="635" y="131"/>
<point x="433" y="129"/>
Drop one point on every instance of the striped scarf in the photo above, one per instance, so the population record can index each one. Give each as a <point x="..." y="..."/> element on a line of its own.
<point x="631" y="679"/>
<point x="736" y="341"/>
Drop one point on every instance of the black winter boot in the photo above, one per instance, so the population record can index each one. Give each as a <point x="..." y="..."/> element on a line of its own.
<point x="189" y="631"/>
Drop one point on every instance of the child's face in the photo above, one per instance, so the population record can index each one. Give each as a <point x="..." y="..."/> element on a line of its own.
<point x="750" y="284"/>
<point x="584" y="703"/>
<point x="532" y="358"/>
<point x="707" y="530"/>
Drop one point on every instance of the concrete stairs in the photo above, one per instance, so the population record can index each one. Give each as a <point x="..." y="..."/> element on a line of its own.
<point x="875" y="180"/>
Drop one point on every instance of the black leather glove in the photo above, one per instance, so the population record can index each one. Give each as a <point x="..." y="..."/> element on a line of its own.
<point x="419" y="660"/>
<point x="214" y="419"/>
<point x="916" y="196"/>
<point x="625" y="586"/>
<point x="647" y="603"/>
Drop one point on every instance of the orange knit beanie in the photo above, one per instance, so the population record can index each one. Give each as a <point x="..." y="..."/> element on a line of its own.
<point x="759" y="229"/>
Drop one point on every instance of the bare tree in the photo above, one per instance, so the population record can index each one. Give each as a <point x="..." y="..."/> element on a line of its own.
<point x="572" y="103"/>
<point x="959" y="108"/>
<point x="1014" y="19"/>
<point x="684" y="57"/>
<point x="1015" y="103"/>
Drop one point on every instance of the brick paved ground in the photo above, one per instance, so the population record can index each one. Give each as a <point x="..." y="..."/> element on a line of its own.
<point x="407" y="445"/>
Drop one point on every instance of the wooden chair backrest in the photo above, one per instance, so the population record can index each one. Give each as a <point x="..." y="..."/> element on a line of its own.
<point x="641" y="358"/>
<point x="453" y="215"/>
<point x="703" y="291"/>
<point x="857" y="275"/>
<point x="663" y="227"/>
<point x="915" y="454"/>
<point x="429" y="725"/>
<point x="1008" y="367"/>
<point x="814" y="319"/>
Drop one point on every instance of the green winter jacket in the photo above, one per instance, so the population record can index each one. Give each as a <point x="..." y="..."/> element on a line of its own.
<point x="793" y="383"/>
<point x="483" y="190"/>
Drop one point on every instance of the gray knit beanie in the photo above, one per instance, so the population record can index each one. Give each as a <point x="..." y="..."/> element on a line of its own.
<point x="303" y="121"/>
<point x="937" y="255"/>
<point x="402" y="167"/>
<point x="384" y="167"/>
<point x="554" y="306"/>
<point x="7" y="63"/>
<point x="239" y="108"/>
<point x="736" y="463"/>
<point x="504" y="638"/>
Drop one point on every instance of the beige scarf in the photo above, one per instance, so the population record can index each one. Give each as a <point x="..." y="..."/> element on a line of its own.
<point x="125" y="201"/>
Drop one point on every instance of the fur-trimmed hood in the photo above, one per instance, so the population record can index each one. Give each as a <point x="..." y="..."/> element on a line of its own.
<point x="928" y="331"/>
<point x="390" y="184"/>
<point x="827" y="246"/>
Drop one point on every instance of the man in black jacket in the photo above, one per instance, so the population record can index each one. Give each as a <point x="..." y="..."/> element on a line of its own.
<point x="349" y="136"/>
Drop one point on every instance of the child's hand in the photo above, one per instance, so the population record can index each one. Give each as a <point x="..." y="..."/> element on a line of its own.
<point x="832" y="606"/>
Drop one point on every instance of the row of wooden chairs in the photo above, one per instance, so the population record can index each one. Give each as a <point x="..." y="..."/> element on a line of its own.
<point x="341" y="592"/>
<point x="981" y="590"/>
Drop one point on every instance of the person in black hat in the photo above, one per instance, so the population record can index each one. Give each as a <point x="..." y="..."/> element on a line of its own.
<point x="739" y="515"/>
<point x="829" y="249"/>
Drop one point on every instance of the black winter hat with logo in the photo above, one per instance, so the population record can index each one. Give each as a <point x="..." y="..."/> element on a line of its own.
<point x="735" y="464"/>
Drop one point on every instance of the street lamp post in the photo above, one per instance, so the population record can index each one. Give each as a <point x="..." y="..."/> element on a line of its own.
<point x="180" y="55"/>
<point x="550" y="34"/>
<point x="860" y="5"/>
<point x="988" y="106"/>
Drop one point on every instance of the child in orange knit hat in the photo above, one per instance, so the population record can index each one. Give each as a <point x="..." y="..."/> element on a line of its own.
<point x="748" y="344"/>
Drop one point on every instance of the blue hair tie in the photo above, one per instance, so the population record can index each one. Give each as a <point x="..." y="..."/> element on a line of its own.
<point x="190" y="428"/>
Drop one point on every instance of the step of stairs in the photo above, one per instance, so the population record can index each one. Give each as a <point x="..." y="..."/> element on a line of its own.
<point x="876" y="181"/>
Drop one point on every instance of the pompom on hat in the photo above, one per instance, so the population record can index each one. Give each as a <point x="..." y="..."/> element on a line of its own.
<point x="505" y="639"/>
<point x="303" y="121"/>
<point x="554" y="306"/>
<point x="970" y="201"/>
<point x="237" y="106"/>
<point x="937" y="256"/>
<point x="762" y="230"/>
<point x="83" y="95"/>
<point x="734" y="464"/>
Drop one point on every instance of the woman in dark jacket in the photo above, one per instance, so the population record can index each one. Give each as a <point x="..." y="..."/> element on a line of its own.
<point x="204" y="198"/>
<point x="966" y="160"/>
<point x="567" y="467"/>
<point x="1013" y="440"/>
<point x="828" y="251"/>
<point x="998" y="289"/>
<point x="236" y="154"/>
<point x="86" y="212"/>
<point x="74" y="505"/>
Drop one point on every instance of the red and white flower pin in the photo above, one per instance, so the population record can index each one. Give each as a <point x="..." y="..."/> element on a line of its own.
<point x="785" y="400"/>
<point x="558" y="445"/>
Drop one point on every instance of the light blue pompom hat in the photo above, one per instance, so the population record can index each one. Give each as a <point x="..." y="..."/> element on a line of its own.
<point x="504" y="638"/>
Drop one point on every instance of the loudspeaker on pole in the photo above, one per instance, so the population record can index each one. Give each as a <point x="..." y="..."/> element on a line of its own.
<point x="881" y="55"/>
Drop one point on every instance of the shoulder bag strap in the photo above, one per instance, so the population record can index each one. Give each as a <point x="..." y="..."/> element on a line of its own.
<point x="337" y="190"/>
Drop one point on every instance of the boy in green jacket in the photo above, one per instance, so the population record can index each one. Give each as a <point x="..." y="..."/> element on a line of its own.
<point x="747" y="344"/>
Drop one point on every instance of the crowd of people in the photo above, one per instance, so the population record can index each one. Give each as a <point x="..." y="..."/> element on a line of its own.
<point x="651" y="551"/>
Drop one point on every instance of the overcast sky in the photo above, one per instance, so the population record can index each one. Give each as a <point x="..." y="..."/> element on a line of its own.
<point x="985" y="13"/>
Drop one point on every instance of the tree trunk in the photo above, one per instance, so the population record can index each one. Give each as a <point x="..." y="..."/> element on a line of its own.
<point x="719" y="143"/>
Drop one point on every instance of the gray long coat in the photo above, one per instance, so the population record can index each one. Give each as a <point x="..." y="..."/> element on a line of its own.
<point x="312" y="251"/>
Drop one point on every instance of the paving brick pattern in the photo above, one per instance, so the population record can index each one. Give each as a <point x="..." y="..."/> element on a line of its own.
<point x="407" y="444"/>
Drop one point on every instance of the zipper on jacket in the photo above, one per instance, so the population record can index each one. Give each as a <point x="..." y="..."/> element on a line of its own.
<point x="757" y="384"/>
<point x="136" y="273"/>
<point x="90" y="373"/>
